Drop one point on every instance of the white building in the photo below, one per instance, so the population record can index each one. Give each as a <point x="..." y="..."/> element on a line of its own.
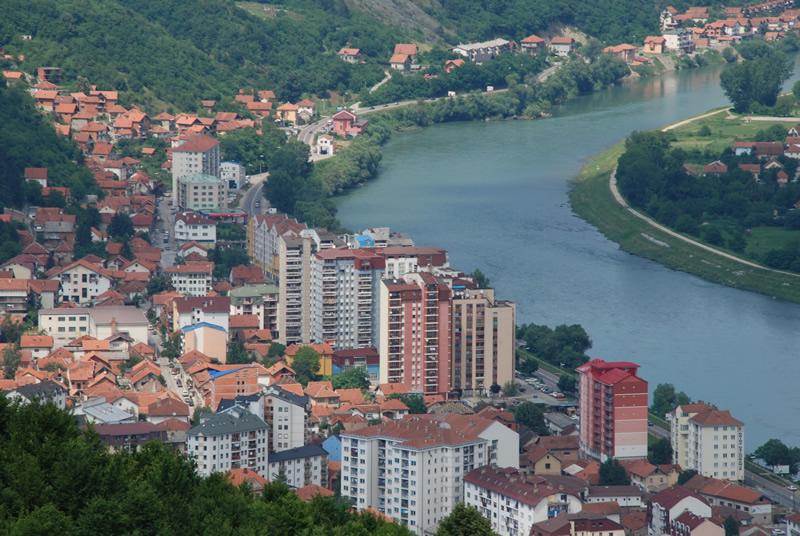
<point x="193" y="279"/>
<point x="301" y="466"/>
<point x="82" y="281"/>
<point x="346" y="287"/>
<point x="196" y="155"/>
<point x="679" y="41"/>
<point x="625" y="496"/>
<point x="514" y="502"/>
<point x="286" y="416"/>
<point x="194" y="227"/>
<point x="228" y="440"/>
<point x="233" y="173"/>
<point x="66" y="324"/>
<point x="260" y="300"/>
<point x="708" y="440"/>
<point x="669" y="504"/>
<point x="188" y="311"/>
<point x="325" y="145"/>
<point x="484" y="51"/>
<point x="413" y="469"/>
<point x="46" y="392"/>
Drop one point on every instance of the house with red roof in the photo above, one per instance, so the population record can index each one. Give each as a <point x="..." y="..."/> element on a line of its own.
<point x="533" y="44"/>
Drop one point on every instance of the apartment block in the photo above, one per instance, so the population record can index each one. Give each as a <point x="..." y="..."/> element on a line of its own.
<point x="415" y="330"/>
<point x="513" y="502"/>
<point x="191" y="310"/>
<point x="413" y="469"/>
<point x="708" y="440"/>
<point x="345" y="286"/>
<point x="194" y="227"/>
<point x="301" y="466"/>
<point x="483" y="340"/>
<point x="259" y="300"/>
<point x="82" y="281"/>
<point x="263" y="239"/>
<point x="613" y="409"/>
<point x="286" y="415"/>
<point x="69" y="323"/>
<point x="231" y="439"/>
<point x="196" y="155"/>
<point x="201" y="191"/>
<point x="192" y="279"/>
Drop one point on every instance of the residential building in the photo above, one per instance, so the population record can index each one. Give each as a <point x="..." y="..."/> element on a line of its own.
<point x="724" y="493"/>
<point x="286" y="416"/>
<point x="652" y="478"/>
<point x="483" y="340"/>
<point x="68" y="323"/>
<point x="413" y="469"/>
<point x="514" y="502"/>
<point x="194" y="227"/>
<point x="679" y="41"/>
<point x="192" y="279"/>
<point x="688" y="524"/>
<point x="201" y="191"/>
<point x="13" y="295"/>
<point x="533" y="44"/>
<point x="232" y="439"/>
<point x="350" y="55"/>
<point x="208" y="339"/>
<point x="401" y="259"/>
<point x="197" y="155"/>
<point x="82" y="281"/>
<point x="188" y="311"/>
<point x="415" y="332"/>
<point x="346" y="123"/>
<point x="707" y="440"/>
<point x="233" y="173"/>
<point x="259" y="300"/>
<point x="625" y="496"/>
<point x="301" y="466"/>
<point x="129" y="437"/>
<point x="345" y="287"/>
<point x="613" y="408"/>
<point x="400" y="62"/>
<point x="295" y="283"/>
<point x="483" y="51"/>
<point x="793" y="524"/>
<point x="561" y="46"/>
<point x="655" y="44"/>
<point x="263" y="239"/>
<point x="669" y="504"/>
<point x="45" y="392"/>
<point x="367" y="358"/>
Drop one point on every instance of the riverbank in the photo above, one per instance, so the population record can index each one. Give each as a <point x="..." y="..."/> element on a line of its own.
<point x="591" y="198"/>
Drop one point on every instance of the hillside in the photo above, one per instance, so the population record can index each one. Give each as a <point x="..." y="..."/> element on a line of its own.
<point x="27" y="140"/>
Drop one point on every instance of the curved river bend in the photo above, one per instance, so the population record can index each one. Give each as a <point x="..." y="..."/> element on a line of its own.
<point x="495" y="195"/>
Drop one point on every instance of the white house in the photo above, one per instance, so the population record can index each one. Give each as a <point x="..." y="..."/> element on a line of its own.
<point x="194" y="227"/>
<point x="301" y="466"/>
<point x="46" y="392"/>
<point x="670" y="503"/>
<point x="82" y="281"/>
<point x="233" y="173"/>
<point x="626" y="496"/>
<point x="707" y="440"/>
<point x="193" y="279"/>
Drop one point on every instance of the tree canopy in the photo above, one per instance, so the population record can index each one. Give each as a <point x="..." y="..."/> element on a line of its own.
<point x="666" y="399"/>
<point x="758" y="79"/>
<point x="563" y="346"/>
<point x="306" y="365"/>
<point x="612" y="473"/>
<point x="532" y="416"/>
<point x="58" y="479"/>
<point x="465" y="521"/>
<point x="776" y="452"/>
<point x="351" y="378"/>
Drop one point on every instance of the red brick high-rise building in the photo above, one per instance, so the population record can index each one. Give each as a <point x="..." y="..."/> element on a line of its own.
<point x="613" y="407"/>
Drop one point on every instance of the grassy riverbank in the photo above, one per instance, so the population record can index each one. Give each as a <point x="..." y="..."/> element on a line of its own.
<point x="591" y="199"/>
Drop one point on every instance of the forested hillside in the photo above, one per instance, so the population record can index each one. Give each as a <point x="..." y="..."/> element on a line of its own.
<point x="172" y="53"/>
<point x="27" y="140"/>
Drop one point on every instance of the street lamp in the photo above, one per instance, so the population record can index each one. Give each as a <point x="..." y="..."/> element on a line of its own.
<point x="260" y="162"/>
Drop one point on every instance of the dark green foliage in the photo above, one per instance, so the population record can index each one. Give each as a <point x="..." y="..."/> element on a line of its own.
<point x="225" y="259"/>
<point x="351" y="378"/>
<point x="253" y="151"/>
<point x="306" y="365"/>
<point x="27" y="140"/>
<point x="731" y="526"/>
<point x="510" y="388"/>
<point x="527" y="366"/>
<point x="758" y="79"/>
<point x="11" y="360"/>
<point x="158" y="283"/>
<point x="9" y="241"/>
<point x="666" y="399"/>
<point x="613" y="474"/>
<point x="532" y="416"/>
<point x="57" y="479"/>
<point x="172" y="346"/>
<point x="660" y="452"/>
<point x="465" y="521"/>
<point x="276" y="350"/>
<point x="776" y="452"/>
<point x="415" y="403"/>
<point x="480" y="279"/>
<point x="10" y="331"/>
<point x="121" y="227"/>
<point x="563" y="346"/>
<point x="686" y="476"/>
<point x="237" y="353"/>
<point x="567" y="384"/>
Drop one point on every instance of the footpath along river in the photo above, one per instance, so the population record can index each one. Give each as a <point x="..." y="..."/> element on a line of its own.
<point x="495" y="196"/>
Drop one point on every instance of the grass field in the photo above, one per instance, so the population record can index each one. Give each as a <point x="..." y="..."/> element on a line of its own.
<point x="591" y="199"/>
<point x="725" y="129"/>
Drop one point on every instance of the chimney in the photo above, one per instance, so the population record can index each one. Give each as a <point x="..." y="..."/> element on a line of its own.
<point x="113" y="325"/>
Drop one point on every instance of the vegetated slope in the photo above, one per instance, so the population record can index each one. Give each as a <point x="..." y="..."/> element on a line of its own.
<point x="178" y="52"/>
<point x="27" y="140"/>
<point x="608" y="20"/>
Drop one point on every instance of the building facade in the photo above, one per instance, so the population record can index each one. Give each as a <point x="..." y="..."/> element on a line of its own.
<point x="613" y="408"/>
<point x="707" y="440"/>
<point x="201" y="191"/>
<point x="192" y="279"/>
<point x="196" y="155"/>
<point x="194" y="227"/>
<point x="286" y="415"/>
<point x="232" y="439"/>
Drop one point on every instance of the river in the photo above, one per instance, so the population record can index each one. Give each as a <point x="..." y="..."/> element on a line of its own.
<point x="495" y="195"/>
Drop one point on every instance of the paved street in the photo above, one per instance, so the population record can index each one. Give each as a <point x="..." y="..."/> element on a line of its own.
<point x="165" y="216"/>
<point x="255" y="194"/>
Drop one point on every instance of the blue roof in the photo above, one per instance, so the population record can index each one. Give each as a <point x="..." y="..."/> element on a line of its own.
<point x="219" y="373"/>
<point x="199" y="325"/>
<point x="365" y="241"/>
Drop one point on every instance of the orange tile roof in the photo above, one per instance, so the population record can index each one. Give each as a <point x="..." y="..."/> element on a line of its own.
<point x="308" y="492"/>
<point x="36" y="341"/>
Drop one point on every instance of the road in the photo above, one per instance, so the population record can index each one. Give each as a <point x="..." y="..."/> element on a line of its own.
<point x="255" y="194"/>
<point x="164" y="224"/>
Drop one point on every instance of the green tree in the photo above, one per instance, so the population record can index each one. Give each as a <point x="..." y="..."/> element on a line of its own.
<point x="796" y="90"/>
<point x="776" y="452"/>
<point x="306" y="365"/>
<point x="480" y="279"/>
<point x="11" y="361"/>
<point x="237" y="353"/>
<point x="757" y="80"/>
<point x="157" y="284"/>
<point x="415" y="402"/>
<point x="566" y="384"/>
<point x="276" y="350"/>
<point x="172" y="347"/>
<point x="731" y="526"/>
<point x="612" y="473"/>
<point x="531" y="415"/>
<point x="201" y="413"/>
<point x="121" y="227"/>
<point x="666" y="399"/>
<point x="10" y="331"/>
<point x="660" y="452"/>
<point x="686" y="476"/>
<point x="465" y="521"/>
<point x="527" y="366"/>
<point x="510" y="388"/>
<point x="351" y="378"/>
